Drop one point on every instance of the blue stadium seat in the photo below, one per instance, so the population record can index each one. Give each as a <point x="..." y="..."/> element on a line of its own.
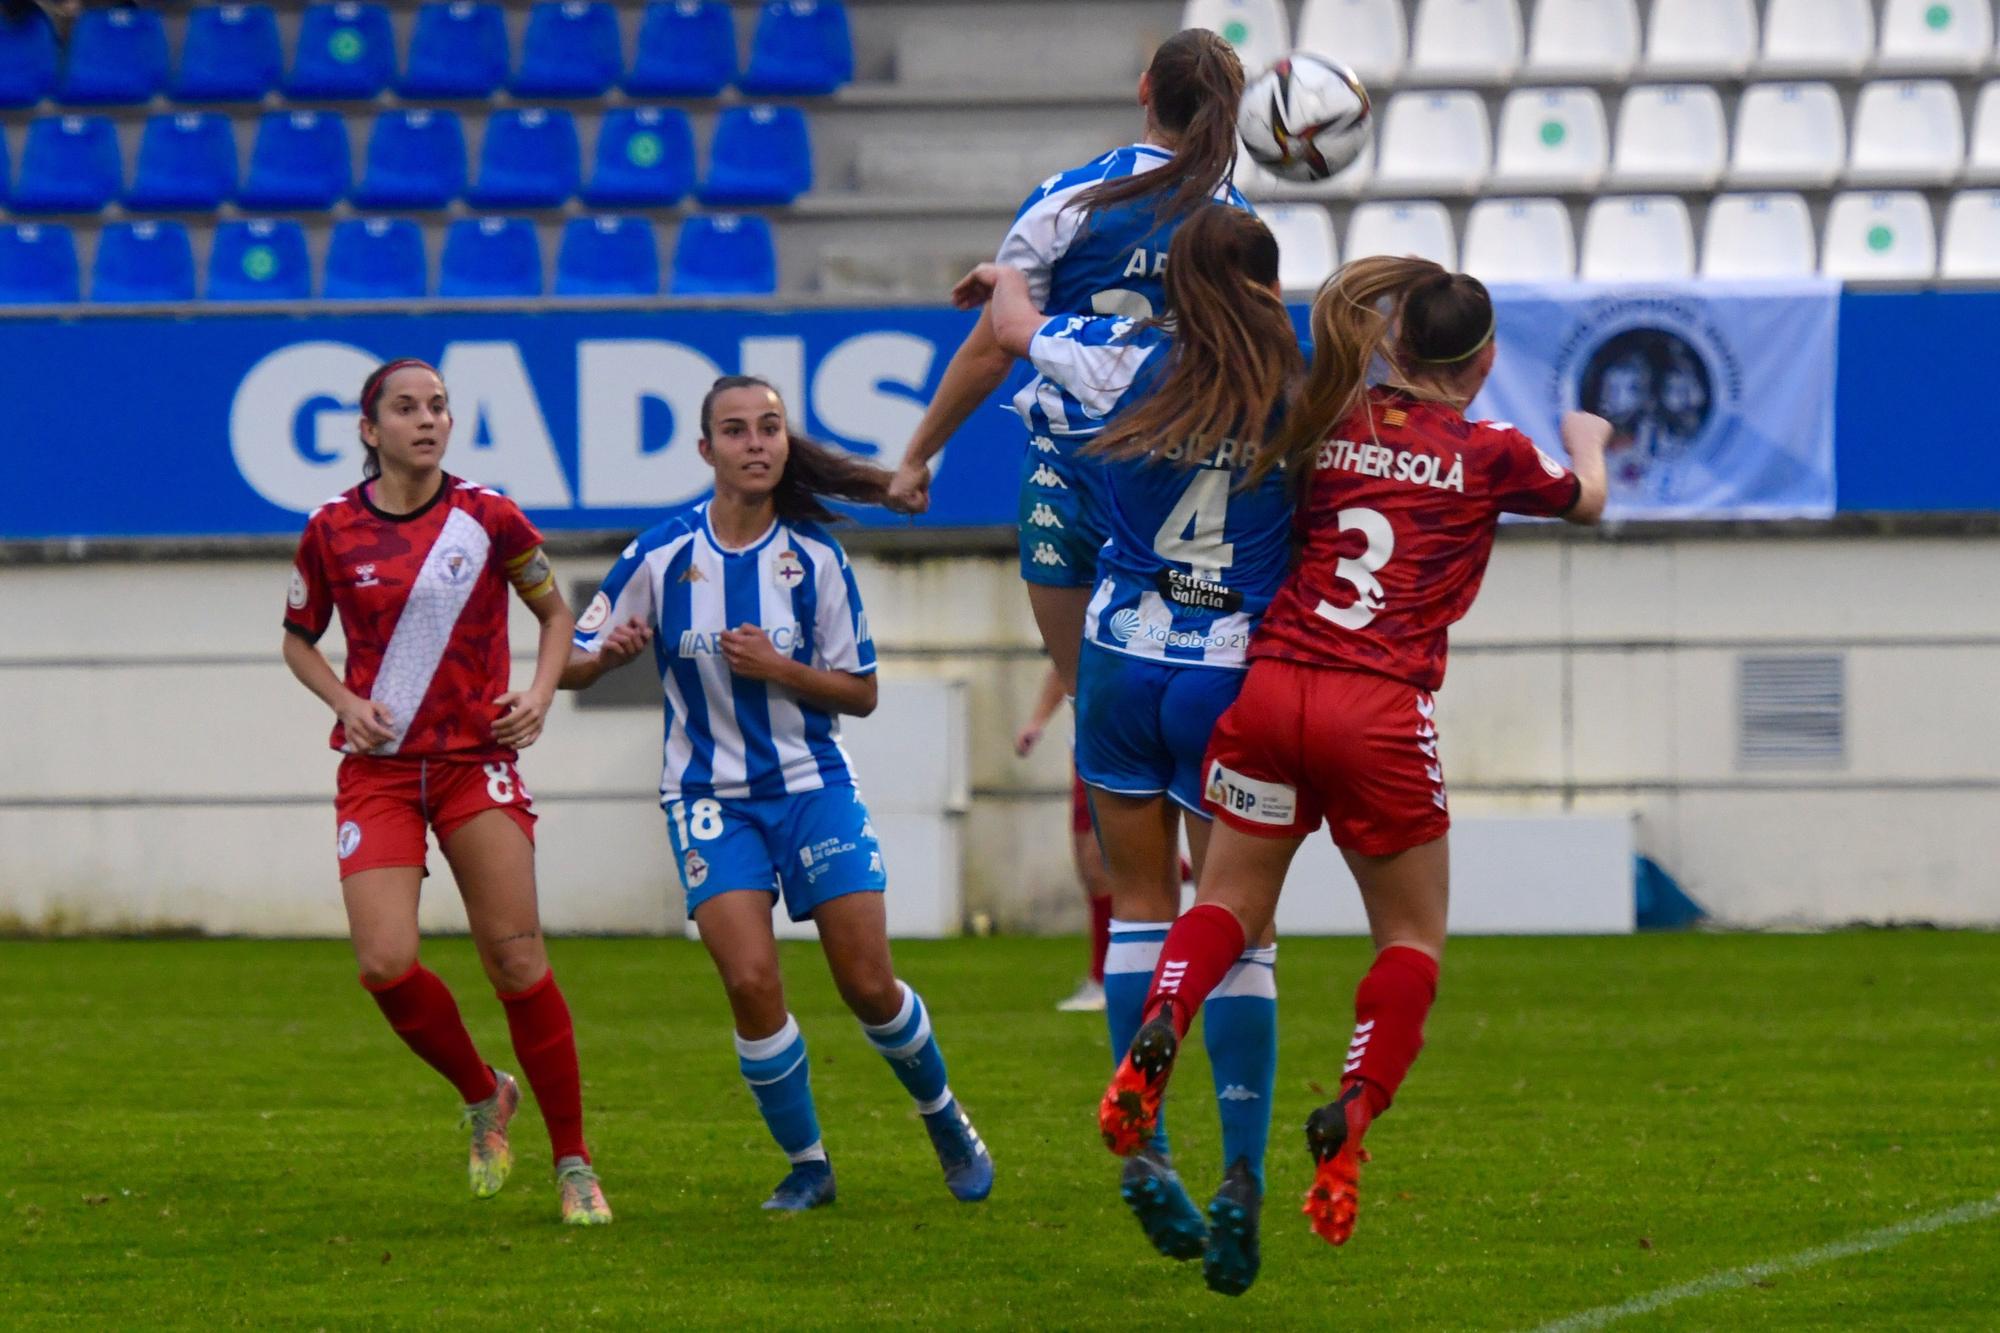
<point x="27" y="59"/>
<point x="116" y="56"/>
<point x="687" y="48"/>
<point x="608" y="257"/>
<point x="570" y="50"/>
<point x="300" y="160"/>
<point x="491" y="257"/>
<point x="801" y="47"/>
<point x="231" y="55"/>
<point x="645" y="158"/>
<point x="376" y="259"/>
<point x="459" y="50"/>
<point x="259" y="261"/>
<point x="70" y="165"/>
<point x="187" y="160"/>
<point x="725" y="255"/>
<point x="346" y="52"/>
<point x="143" y="261"/>
<point x="37" y="265"/>
<point x="416" y="159"/>
<point x="760" y="155"/>
<point x="530" y="160"/>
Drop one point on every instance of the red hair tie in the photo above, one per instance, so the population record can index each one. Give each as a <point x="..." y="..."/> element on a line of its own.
<point x="373" y="389"/>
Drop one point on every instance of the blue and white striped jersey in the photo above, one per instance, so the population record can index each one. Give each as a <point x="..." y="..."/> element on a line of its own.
<point x="727" y="736"/>
<point x="1190" y="561"/>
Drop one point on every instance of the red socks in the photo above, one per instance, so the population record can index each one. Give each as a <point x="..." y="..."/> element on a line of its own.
<point x="1100" y="935"/>
<point x="545" y="1044"/>
<point x="1389" y="1010"/>
<point x="1200" y="949"/>
<point x="419" y="1007"/>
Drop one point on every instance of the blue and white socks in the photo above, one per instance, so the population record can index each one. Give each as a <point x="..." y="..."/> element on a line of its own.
<point x="907" y="1043"/>
<point x="780" y="1079"/>
<point x="1240" y="1029"/>
<point x="1128" y="977"/>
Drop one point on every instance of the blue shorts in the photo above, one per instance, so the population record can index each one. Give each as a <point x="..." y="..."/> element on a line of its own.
<point x="1142" y="727"/>
<point x="1060" y="530"/>
<point x="811" y="847"/>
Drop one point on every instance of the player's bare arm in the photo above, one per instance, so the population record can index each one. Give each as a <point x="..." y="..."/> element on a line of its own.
<point x="620" y="646"/>
<point x="368" y="724"/>
<point x="523" y="712"/>
<point x="976" y="370"/>
<point x="1584" y="437"/>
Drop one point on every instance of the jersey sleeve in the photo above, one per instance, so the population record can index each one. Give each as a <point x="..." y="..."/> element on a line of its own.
<point x="519" y="544"/>
<point x="1092" y="357"/>
<point x="309" y="598"/>
<point x="626" y="594"/>
<point x="1042" y="233"/>
<point x="841" y="641"/>
<point x="1524" y="480"/>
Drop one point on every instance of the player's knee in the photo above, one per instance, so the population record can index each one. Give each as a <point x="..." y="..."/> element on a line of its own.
<point x="516" y="971"/>
<point x="872" y="994"/>
<point x="382" y="965"/>
<point x="754" y="987"/>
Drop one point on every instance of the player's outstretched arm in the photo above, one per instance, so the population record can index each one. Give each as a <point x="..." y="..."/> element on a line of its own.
<point x="620" y="646"/>
<point x="1584" y="437"/>
<point x="368" y="724"/>
<point x="523" y="712"/>
<point x="976" y="370"/>
<point x="750" y="654"/>
<point x="1010" y="306"/>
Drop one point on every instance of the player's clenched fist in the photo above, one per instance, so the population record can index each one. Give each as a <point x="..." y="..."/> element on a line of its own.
<point x="369" y="724"/>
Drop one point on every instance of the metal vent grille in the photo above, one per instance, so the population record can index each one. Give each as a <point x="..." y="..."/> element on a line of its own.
<point x="1791" y="711"/>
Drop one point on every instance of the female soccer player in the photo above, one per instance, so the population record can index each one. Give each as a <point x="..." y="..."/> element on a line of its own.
<point x="1175" y="410"/>
<point x="1088" y="857"/>
<point x="1336" y="720"/>
<point x="418" y="564"/>
<point x="757" y="627"/>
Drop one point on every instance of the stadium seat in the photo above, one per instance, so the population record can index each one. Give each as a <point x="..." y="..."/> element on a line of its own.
<point x="70" y="165"/>
<point x="1701" y="38"/>
<point x="1671" y="137"/>
<point x="802" y="48"/>
<point x="116" y="57"/>
<point x="1519" y="240"/>
<point x="459" y="49"/>
<point x="230" y="54"/>
<point x="530" y="160"/>
<point x="1637" y="238"/>
<point x="1368" y="36"/>
<point x="1307" y="252"/>
<point x="27" y="59"/>
<point x="1758" y="236"/>
<point x="1817" y="36"/>
<point x="37" y="264"/>
<point x="760" y="155"/>
<point x="570" y="50"/>
<point x="376" y="259"/>
<point x="491" y="257"/>
<point x="1789" y="134"/>
<point x="142" y="261"/>
<point x="1982" y="158"/>
<point x="1888" y="235"/>
<point x="346" y="52"/>
<point x="1258" y="29"/>
<point x="1465" y="41"/>
<point x="1434" y="143"/>
<point x="416" y="159"/>
<point x="1421" y="229"/>
<point x="187" y="160"/>
<point x="645" y="158"/>
<point x="300" y="160"/>
<point x="1946" y="36"/>
<point x="725" y="255"/>
<point x="687" y="48"/>
<point x="1551" y="139"/>
<point x="1907" y="134"/>
<point x="259" y="261"/>
<point x="608" y="256"/>
<point x="1584" y="39"/>
<point x="1972" y="235"/>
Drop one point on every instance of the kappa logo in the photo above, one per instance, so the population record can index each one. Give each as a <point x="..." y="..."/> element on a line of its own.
<point x="1045" y="554"/>
<point x="790" y="571"/>
<point x="694" y="869"/>
<point x="874" y="863"/>
<point x="692" y="574"/>
<point x="1047" y="478"/>
<point x="349" y="839"/>
<point x="1044" y="517"/>
<point x="1236" y="1092"/>
<point x="1042" y="444"/>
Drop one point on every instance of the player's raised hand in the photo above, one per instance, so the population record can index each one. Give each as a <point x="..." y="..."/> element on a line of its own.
<point x="369" y="724"/>
<point x="624" y="643"/>
<point x="521" y="718"/>
<point x="750" y="653"/>
<point x="975" y="289"/>
<point x="909" y="490"/>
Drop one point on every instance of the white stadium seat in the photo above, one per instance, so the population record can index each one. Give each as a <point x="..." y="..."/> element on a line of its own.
<point x="1258" y="29"/>
<point x="1701" y="38"/>
<point x="1421" y="229"/>
<point x="1638" y="238"/>
<point x="1888" y="235"/>
<point x="1982" y="159"/>
<point x="1584" y="38"/>
<point x="1350" y="181"/>
<point x="1789" y="134"/>
<point x="1818" y="36"/>
<point x="1907" y="134"/>
<point x="1758" y="236"/>
<point x="1946" y="36"/>
<point x="1307" y="254"/>
<point x="1434" y="143"/>
<point x="1519" y="240"/>
<point x="1551" y="139"/>
<point x="1367" y="36"/>
<point x="1671" y="137"/>
<point x="1465" y="41"/>
<point x="1972" y="235"/>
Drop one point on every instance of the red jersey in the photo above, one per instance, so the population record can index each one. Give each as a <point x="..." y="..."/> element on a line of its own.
<point x="423" y="603"/>
<point x="1406" y="495"/>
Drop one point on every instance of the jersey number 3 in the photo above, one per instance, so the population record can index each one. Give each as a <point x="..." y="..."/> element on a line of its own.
<point x="1360" y="570"/>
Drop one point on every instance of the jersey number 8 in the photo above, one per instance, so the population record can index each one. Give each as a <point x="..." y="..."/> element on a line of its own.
<point x="703" y="819"/>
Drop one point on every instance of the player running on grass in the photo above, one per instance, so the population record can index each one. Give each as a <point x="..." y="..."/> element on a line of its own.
<point x="1336" y="720"/>
<point x="418" y="564"/>
<point x="761" y="643"/>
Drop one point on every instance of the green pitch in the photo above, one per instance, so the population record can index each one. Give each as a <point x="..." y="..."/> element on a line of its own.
<point x="226" y="1134"/>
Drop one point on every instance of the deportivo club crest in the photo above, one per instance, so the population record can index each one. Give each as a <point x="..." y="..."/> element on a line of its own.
<point x="694" y="869"/>
<point x="790" y="571"/>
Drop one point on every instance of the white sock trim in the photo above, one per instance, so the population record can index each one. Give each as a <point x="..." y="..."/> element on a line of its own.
<point x="776" y="1078"/>
<point x="763" y="1048"/>
<point x="1247" y="978"/>
<point x="902" y="1015"/>
<point x="935" y="1104"/>
<point x="816" y="1153"/>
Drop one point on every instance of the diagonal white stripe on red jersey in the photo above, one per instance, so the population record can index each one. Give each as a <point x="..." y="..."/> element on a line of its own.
<point x="442" y="588"/>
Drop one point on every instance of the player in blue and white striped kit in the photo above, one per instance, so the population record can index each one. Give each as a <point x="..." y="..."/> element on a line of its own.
<point x="759" y="635"/>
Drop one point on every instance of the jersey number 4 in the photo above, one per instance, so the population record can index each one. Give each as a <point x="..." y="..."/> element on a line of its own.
<point x="1360" y="570"/>
<point x="1193" y="531"/>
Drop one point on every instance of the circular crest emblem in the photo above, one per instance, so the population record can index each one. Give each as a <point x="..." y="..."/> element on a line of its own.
<point x="694" y="870"/>
<point x="790" y="570"/>
<point x="349" y="840"/>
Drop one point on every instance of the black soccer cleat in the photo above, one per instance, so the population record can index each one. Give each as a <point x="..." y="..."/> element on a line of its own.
<point x="1233" y="1257"/>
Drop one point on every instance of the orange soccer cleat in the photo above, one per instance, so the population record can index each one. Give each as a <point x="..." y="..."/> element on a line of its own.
<point x="1333" y="1136"/>
<point x="1130" y="1110"/>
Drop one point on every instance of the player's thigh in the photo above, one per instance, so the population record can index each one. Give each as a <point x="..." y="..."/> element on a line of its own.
<point x="1254" y="771"/>
<point x="379" y="816"/>
<point x="493" y="860"/>
<point x="854" y="934"/>
<point x="1059" y="615"/>
<point x="1140" y="836"/>
<point x="382" y="920"/>
<point x="1407" y="895"/>
<point x="1191" y="707"/>
<point x="735" y="928"/>
<point x="1372" y="744"/>
<point x="824" y="846"/>
<point x="1245" y="872"/>
<point x="1120" y="747"/>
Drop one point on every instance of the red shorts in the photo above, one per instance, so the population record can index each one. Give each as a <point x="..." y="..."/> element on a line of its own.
<point x="1306" y="743"/>
<point x="1079" y="806"/>
<point x="383" y="806"/>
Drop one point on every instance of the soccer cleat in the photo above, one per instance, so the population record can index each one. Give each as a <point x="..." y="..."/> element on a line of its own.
<point x="809" y="1185"/>
<point x="583" y="1202"/>
<point x="968" y="1167"/>
<point x="1130" y="1109"/>
<point x="1087" y="998"/>
<point x="1233" y="1256"/>
<point x="1333" y="1136"/>
<point x="1152" y="1189"/>
<point x="491" y="1158"/>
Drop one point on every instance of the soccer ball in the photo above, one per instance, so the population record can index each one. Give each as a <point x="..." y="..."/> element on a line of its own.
<point x="1305" y="118"/>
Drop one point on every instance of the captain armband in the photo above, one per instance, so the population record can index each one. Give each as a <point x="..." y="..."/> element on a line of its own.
<point x="531" y="576"/>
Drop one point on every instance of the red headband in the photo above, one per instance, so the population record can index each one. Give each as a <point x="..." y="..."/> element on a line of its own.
<point x="373" y="389"/>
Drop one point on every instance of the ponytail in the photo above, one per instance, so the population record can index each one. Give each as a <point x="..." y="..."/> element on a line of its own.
<point x="1197" y="82"/>
<point x="814" y="472"/>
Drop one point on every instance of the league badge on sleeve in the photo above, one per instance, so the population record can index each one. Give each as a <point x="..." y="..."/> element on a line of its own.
<point x="594" y="615"/>
<point x="790" y="571"/>
<point x="295" y="596"/>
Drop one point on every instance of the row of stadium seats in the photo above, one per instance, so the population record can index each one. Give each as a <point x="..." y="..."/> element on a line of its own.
<point x="301" y="160"/>
<point x="1482" y="41"/>
<point x="384" y="259"/>
<point x="458" y="49"/>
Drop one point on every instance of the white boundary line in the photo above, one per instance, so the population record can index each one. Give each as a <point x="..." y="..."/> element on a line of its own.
<point x="1865" y="1243"/>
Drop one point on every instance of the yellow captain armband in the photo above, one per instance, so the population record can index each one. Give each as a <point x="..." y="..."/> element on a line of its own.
<point x="531" y="576"/>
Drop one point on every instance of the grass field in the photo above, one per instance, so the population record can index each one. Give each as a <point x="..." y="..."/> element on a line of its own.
<point x="225" y="1134"/>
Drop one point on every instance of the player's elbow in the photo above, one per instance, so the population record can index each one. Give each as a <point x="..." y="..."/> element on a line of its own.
<point x="866" y="696"/>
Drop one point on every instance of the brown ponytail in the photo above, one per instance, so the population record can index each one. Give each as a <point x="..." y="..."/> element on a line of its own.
<point x="814" y="472"/>
<point x="1197" y="82"/>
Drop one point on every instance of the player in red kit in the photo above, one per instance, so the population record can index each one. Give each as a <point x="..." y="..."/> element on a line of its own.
<point x="1336" y="720"/>
<point x="418" y="564"/>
